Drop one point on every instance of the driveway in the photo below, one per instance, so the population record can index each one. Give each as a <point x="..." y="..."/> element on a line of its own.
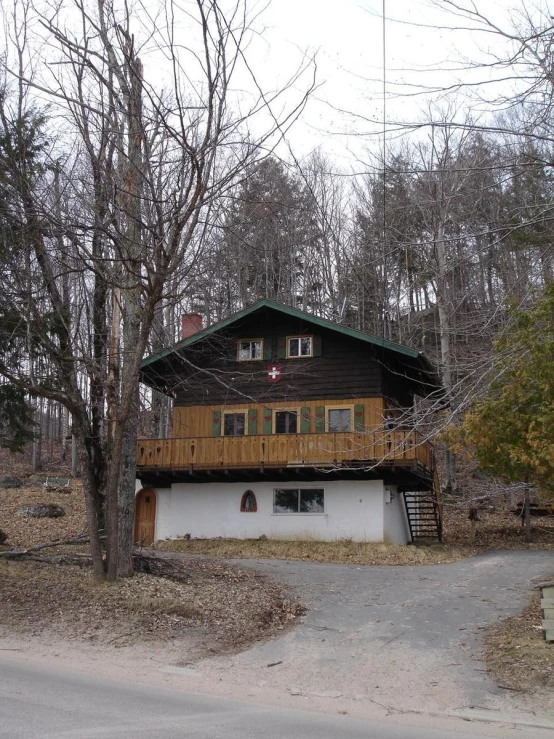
<point x="404" y="638"/>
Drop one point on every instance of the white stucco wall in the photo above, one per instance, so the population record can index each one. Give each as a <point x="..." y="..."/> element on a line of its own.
<point x="353" y="510"/>
<point x="395" y="526"/>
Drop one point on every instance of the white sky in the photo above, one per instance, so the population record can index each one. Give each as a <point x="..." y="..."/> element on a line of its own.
<point x="347" y="36"/>
<point x="344" y="115"/>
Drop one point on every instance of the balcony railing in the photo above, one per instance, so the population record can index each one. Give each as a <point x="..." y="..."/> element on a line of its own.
<point x="286" y="450"/>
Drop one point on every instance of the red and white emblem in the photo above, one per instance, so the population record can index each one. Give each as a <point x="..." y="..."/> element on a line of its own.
<point x="274" y="373"/>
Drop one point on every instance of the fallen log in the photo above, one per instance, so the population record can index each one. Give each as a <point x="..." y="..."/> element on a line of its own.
<point x="17" y="552"/>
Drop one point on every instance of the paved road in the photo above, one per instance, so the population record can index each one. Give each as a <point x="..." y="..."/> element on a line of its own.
<point x="47" y="704"/>
<point x="408" y="638"/>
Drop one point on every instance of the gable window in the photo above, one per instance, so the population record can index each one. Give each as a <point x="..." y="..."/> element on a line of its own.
<point x="286" y="422"/>
<point x="299" y="500"/>
<point x="234" y="424"/>
<point x="250" y="349"/>
<point x="300" y="346"/>
<point x="338" y="419"/>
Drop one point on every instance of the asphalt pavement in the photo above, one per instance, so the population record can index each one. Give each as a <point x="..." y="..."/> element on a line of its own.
<point x="408" y="638"/>
<point x="39" y="703"/>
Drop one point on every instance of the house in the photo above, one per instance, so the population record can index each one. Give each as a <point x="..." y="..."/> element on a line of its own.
<point x="290" y="426"/>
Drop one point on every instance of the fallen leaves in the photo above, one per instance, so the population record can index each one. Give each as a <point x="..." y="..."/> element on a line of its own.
<point x="234" y="607"/>
<point x="516" y="653"/>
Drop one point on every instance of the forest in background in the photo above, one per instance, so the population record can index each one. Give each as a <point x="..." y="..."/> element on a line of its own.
<point x="124" y="204"/>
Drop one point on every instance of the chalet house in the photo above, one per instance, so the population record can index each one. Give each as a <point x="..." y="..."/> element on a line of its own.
<point x="290" y="426"/>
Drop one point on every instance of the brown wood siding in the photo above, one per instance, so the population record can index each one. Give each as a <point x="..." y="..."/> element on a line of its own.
<point x="189" y="421"/>
<point x="345" y="369"/>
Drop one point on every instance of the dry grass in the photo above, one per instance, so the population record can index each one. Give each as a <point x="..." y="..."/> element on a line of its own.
<point x="516" y="653"/>
<point x="497" y="528"/>
<point x="342" y="552"/>
<point x="223" y="607"/>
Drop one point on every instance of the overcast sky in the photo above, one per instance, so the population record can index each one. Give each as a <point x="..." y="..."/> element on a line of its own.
<point x="347" y="39"/>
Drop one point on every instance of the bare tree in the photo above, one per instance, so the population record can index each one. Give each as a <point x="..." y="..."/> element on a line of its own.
<point x="137" y="168"/>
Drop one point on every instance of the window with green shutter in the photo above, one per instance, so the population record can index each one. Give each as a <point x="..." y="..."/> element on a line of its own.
<point x="268" y="421"/>
<point x="252" y="421"/>
<point x="317" y="346"/>
<point x="359" y="424"/>
<point x="216" y="423"/>
<point x="304" y="420"/>
<point x="320" y="419"/>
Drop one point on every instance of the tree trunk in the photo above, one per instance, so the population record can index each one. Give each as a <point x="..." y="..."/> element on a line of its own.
<point x="74" y="457"/>
<point x="527" y="514"/>
<point x="446" y="350"/>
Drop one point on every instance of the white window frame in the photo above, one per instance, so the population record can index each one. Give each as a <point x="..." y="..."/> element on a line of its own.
<point x="285" y="410"/>
<point x="250" y="341"/>
<point x="345" y="407"/>
<point x="300" y="356"/>
<point x="299" y="512"/>
<point x="244" y="412"/>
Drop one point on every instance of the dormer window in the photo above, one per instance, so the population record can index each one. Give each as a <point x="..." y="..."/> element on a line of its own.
<point x="249" y="350"/>
<point x="300" y="346"/>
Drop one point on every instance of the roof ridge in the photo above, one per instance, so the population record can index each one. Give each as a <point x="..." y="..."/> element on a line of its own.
<point x="286" y="309"/>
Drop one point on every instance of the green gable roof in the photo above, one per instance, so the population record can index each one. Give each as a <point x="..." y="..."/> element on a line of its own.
<point x="398" y="349"/>
<point x="287" y="310"/>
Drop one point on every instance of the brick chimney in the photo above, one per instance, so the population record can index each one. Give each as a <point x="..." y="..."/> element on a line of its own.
<point x="191" y="323"/>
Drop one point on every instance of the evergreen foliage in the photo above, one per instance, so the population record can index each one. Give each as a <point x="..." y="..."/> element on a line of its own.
<point x="16" y="418"/>
<point x="512" y="427"/>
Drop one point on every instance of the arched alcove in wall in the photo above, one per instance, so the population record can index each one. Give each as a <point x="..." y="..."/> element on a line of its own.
<point x="248" y="503"/>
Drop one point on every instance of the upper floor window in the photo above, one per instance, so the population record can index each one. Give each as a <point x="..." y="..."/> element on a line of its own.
<point x="339" y="419"/>
<point x="286" y="422"/>
<point x="250" y="349"/>
<point x="300" y="346"/>
<point x="234" y="424"/>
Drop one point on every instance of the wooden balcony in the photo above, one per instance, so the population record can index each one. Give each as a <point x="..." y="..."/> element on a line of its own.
<point x="404" y="448"/>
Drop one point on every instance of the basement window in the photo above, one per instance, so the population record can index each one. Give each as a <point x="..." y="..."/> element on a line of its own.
<point x="298" y="500"/>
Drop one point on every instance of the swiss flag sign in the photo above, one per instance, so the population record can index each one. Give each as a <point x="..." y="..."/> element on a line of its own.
<point x="274" y="373"/>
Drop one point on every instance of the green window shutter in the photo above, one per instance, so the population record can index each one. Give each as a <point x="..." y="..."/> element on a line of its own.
<point x="216" y="423"/>
<point x="304" y="420"/>
<point x="282" y="347"/>
<point x="232" y="353"/>
<point x="317" y="346"/>
<point x="252" y="422"/>
<point x="268" y="421"/>
<point x="268" y="346"/>
<point x="359" y="418"/>
<point x="320" y="419"/>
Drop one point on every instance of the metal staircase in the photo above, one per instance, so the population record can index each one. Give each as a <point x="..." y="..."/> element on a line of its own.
<point x="424" y="515"/>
